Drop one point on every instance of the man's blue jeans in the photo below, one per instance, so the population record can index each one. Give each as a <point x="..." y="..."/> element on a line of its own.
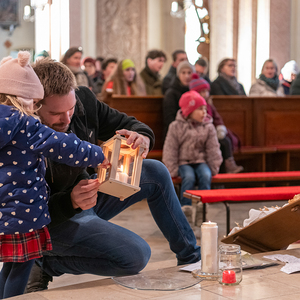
<point x="191" y="175"/>
<point x="88" y="243"/>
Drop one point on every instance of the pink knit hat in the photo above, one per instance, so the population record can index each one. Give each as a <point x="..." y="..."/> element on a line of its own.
<point x="190" y="101"/>
<point x="18" y="78"/>
<point x="199" y="85"/>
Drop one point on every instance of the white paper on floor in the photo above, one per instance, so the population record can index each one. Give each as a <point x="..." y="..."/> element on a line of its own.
<point x="292" y="263"/>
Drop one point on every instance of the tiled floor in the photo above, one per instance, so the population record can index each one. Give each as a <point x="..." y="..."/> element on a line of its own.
<point x="138" y="219"/>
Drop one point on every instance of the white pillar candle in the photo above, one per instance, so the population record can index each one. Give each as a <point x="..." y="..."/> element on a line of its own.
<point x="123" y="177"/>
<point x="209" y="247"/>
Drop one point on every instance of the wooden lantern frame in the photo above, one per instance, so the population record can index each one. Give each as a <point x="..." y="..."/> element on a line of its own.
<point x="108" y="177"/>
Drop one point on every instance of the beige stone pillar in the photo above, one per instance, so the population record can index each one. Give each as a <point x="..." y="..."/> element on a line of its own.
<point x="244" y="53"/>
<point x="122" y="30"/>
<point x="295" y="30"/>
<point x="75" y="23"/>
<point x="88" y="28"/>
<point x="280" y="32"/>
<point x="221" y="34"/>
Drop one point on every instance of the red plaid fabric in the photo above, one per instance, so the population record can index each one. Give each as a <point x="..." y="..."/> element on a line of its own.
<point x="25" y="246"/>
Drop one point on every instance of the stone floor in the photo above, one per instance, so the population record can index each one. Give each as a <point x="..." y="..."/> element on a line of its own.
<point x="138" y="219"/>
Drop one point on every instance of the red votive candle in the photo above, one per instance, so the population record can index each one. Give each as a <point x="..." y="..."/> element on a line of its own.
<point x="228" y="276"/>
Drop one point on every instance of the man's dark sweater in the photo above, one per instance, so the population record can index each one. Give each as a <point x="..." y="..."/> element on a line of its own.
<point x="92" y="121"/>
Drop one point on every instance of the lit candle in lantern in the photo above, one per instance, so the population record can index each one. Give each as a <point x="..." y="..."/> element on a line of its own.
<point x="121" y="176"/>
<point x="209" y="248"/>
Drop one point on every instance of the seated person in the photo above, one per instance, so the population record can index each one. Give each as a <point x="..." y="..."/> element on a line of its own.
<point x="295" y="87"/>
<point x="72" y="59"/>
<point x="288" y="75"/>
<point x="178" y="56"/>
<point x="226" y="83"/>
<point x="124" y="81"/>
<point x="226" y="137"/>
<point x="201" y="68"/>
<point x="268" y="82"/>
<point x="90" y="67"/>
<point x="191" y="149"/>
<point x="108" y="66"/>
<point x="179" y="85"/>
<point x="155" y="60"/>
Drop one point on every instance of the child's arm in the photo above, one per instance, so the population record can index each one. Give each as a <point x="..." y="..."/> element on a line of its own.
<point x="62" y="147"/>
<point x="171" y="151"/>
<point x="212" y="151"/>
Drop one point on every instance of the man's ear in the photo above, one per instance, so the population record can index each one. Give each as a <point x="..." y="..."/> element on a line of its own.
<point x="149" y="60"/>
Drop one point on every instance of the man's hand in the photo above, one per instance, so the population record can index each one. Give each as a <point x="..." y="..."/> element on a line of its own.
<point x="135" y="139"/>
<point x="84" y="194"/>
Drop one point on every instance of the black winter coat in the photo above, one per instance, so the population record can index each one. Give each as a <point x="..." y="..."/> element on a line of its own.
<point x="222" y="87"/>
<point x="92" y="121"/>
<point x="171" y="102"/>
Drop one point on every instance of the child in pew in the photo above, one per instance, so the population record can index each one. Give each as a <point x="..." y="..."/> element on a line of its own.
<point x="123" y="81"/>
<point x="226" y="138"/>
<point x="191" y="149"/>
<point x="24" y="144"/>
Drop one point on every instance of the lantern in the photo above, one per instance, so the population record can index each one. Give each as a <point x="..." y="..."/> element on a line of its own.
<point x="122" y="179"/>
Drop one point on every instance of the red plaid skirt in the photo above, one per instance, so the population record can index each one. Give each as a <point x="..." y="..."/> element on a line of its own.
<point x="25" y="246"/>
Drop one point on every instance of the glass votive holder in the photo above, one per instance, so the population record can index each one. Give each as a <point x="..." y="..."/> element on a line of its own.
<point x="230" y="264"/>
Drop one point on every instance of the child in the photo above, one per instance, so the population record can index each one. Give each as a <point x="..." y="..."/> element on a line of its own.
<point x="24" y="142"/>
<point x="226" y="138"/>
<point x="191" y="149"/>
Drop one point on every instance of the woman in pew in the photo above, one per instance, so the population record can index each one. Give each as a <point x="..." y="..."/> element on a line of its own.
<point x="179" y="85"/>
<point x="191" y="149"/>
<point x="268" y="82"/>
<point x="226" y="83"/>
<point x="124" y="81"/>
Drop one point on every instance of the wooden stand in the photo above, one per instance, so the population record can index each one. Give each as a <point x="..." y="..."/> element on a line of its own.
<point x="273" y="232"/>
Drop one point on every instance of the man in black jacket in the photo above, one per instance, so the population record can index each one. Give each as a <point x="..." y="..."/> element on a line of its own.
<point x="178" y="56"/>
<point x="83" y="239"/>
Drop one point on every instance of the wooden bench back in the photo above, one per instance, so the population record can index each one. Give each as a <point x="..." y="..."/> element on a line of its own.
<point x="147" y="109"/>
<point x="261" y="121"/>
<point x="258" y="121"/>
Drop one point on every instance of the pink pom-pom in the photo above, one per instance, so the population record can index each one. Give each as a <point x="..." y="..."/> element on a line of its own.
<point x="23" y="58"/>
<point x="195" y="76"/>
<point x="5" y="59"/>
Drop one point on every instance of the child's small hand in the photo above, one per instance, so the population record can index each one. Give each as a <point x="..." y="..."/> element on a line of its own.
<point x="105" y="164"/>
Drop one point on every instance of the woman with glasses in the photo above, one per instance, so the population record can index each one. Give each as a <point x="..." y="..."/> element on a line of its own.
<point x="226" y="83"/>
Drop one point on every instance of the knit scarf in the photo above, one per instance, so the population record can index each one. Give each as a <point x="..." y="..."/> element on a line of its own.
<point x="233" y="82"/>
<point x="272" y="82"/>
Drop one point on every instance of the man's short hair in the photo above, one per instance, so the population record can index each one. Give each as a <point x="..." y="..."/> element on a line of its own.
<point x="106" y="62"/>
<point x="202" y="62"/>
<point x="176" y="52"/>
<point x="155" y="54"/>
<point x="56" y="78"/>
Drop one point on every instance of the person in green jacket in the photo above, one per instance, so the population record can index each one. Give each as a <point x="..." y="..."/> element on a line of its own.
<point x="155" y="60"/>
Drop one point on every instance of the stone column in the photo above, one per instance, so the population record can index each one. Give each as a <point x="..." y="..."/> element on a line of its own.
<point x="244" y="53"/>
<point x="221" y="33"/>
<point x="122" y="30"/>
<point x="295" y="30"/>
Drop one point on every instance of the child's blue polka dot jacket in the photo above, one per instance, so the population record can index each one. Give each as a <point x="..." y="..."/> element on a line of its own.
<point x="24" y="142"/>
